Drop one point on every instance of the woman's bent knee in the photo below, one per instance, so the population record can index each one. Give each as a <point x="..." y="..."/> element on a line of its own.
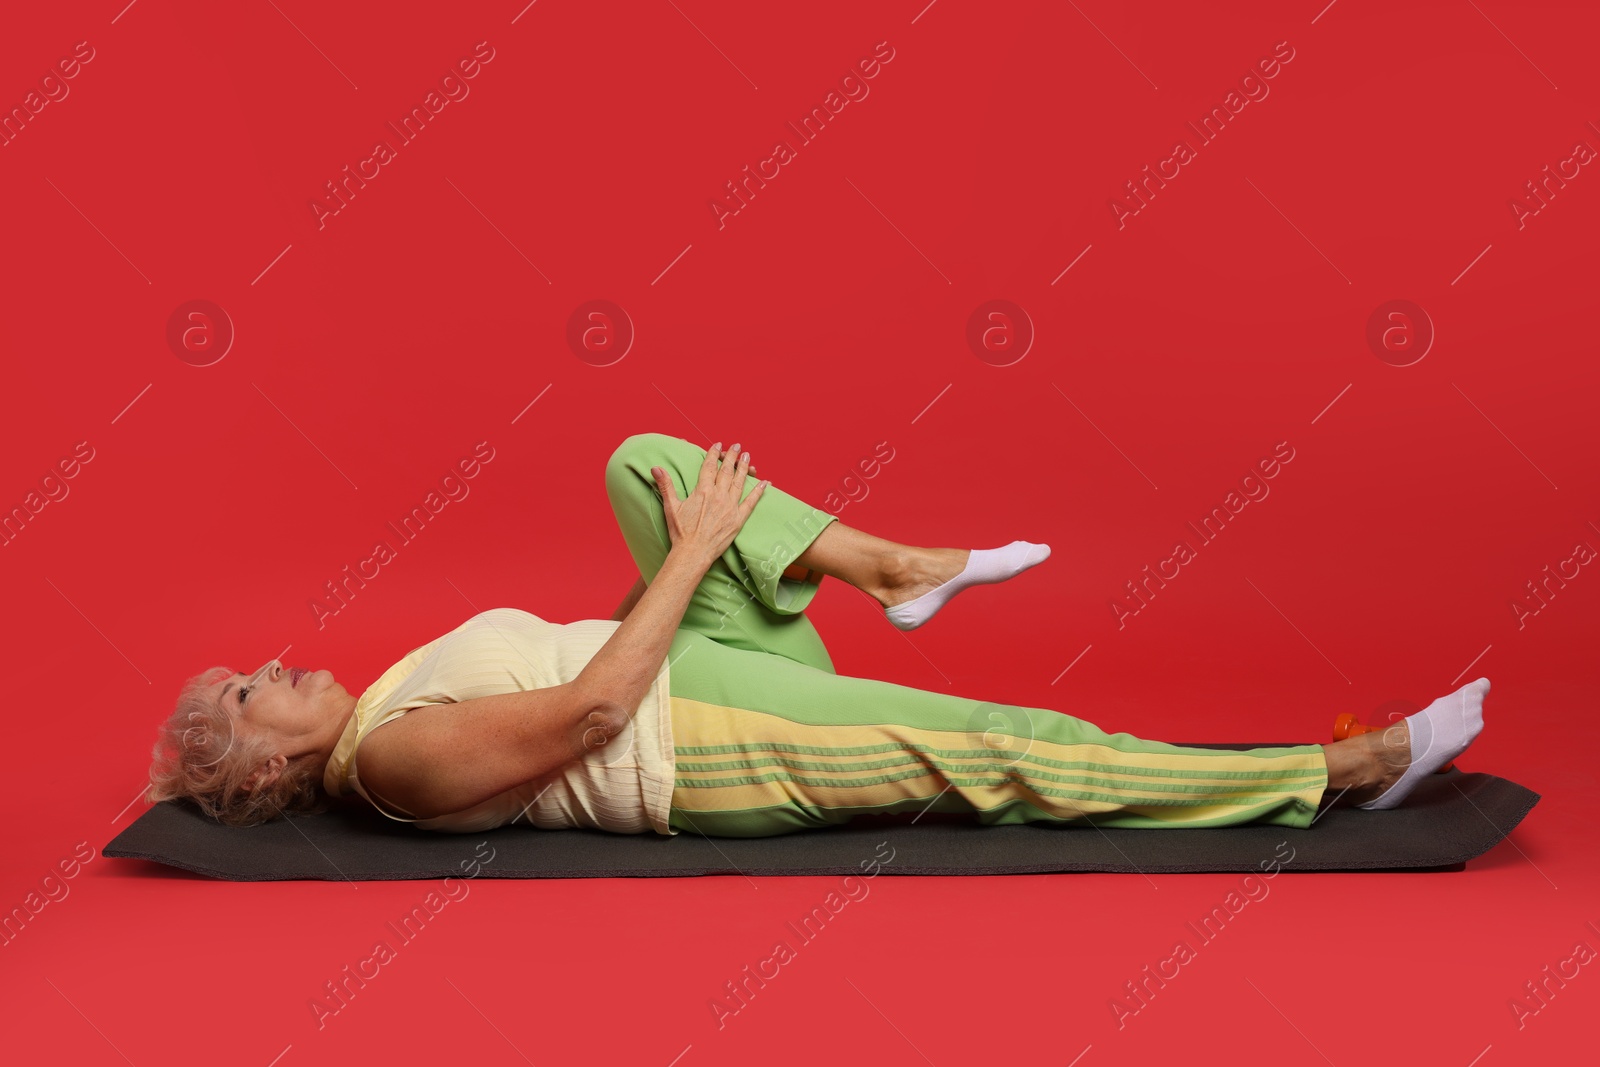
<point x="628" y="470"/>
<point x="641" y="451"/>
<point x="638" y="451"/>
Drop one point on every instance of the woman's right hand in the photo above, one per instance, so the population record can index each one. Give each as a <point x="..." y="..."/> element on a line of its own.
<point x="706" y="521"/>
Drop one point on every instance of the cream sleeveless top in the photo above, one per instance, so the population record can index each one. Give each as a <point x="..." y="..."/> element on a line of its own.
<point x="624" y="786"/>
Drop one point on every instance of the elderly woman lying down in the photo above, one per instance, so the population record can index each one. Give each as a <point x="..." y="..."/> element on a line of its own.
<point x="708" y="703"/>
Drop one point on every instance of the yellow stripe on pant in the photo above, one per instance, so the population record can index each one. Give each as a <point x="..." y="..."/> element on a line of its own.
<point x="822" y="748"/>
<point x="769" y="740"/>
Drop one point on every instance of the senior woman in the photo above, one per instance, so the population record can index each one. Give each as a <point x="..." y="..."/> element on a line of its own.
<point x="708" y="703"/>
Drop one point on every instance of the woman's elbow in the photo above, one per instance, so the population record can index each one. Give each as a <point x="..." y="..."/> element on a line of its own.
<point x="599" y="727"/>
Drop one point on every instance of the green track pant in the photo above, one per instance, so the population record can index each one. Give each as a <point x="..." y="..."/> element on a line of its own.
<point x="770" y="740"/>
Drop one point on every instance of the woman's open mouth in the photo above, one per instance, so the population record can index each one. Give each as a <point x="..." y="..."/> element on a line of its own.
<point x="295" y="674"/>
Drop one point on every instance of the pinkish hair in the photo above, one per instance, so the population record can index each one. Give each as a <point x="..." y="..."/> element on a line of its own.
<point x="199" y="756"/>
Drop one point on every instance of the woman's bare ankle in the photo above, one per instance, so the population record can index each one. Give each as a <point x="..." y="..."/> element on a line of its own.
<point x="1363" y="767"/>
<point x="1352" y="770"/>
<point x="909" y="572"/>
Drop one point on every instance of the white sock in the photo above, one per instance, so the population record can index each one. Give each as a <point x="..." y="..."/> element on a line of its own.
<point x="1439" y="733"/>
<point x="985" y="566"/>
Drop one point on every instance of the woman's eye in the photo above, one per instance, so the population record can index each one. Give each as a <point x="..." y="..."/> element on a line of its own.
<point x="243" y="690"/>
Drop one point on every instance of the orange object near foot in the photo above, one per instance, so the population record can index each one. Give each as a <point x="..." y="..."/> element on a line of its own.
<point x="1346" y="726"/>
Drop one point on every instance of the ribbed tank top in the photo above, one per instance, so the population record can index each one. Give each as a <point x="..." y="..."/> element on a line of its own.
<point x="624" y="786"/>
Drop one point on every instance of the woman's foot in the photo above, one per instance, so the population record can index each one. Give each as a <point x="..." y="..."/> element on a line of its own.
<point x="911" y="583"/>
<point x="1433" y="737"/>
<point x="1378" y="770"/>
<point x="919" y="581"/>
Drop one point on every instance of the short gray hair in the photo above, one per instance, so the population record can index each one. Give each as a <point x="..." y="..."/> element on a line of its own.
<point x="199" y="756"/>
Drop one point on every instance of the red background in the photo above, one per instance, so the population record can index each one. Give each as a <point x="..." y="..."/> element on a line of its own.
<point x="826" y="316"/>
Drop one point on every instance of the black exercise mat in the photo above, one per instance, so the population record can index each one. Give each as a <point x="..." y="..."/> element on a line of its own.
<point x="1447" y="820"/>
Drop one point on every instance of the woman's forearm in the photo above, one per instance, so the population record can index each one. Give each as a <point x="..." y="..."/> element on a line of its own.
<point x="629" y="601"/>
<point x="621" y="673"/>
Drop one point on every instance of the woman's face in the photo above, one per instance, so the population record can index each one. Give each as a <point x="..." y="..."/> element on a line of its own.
<point x="280" y="701"/>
